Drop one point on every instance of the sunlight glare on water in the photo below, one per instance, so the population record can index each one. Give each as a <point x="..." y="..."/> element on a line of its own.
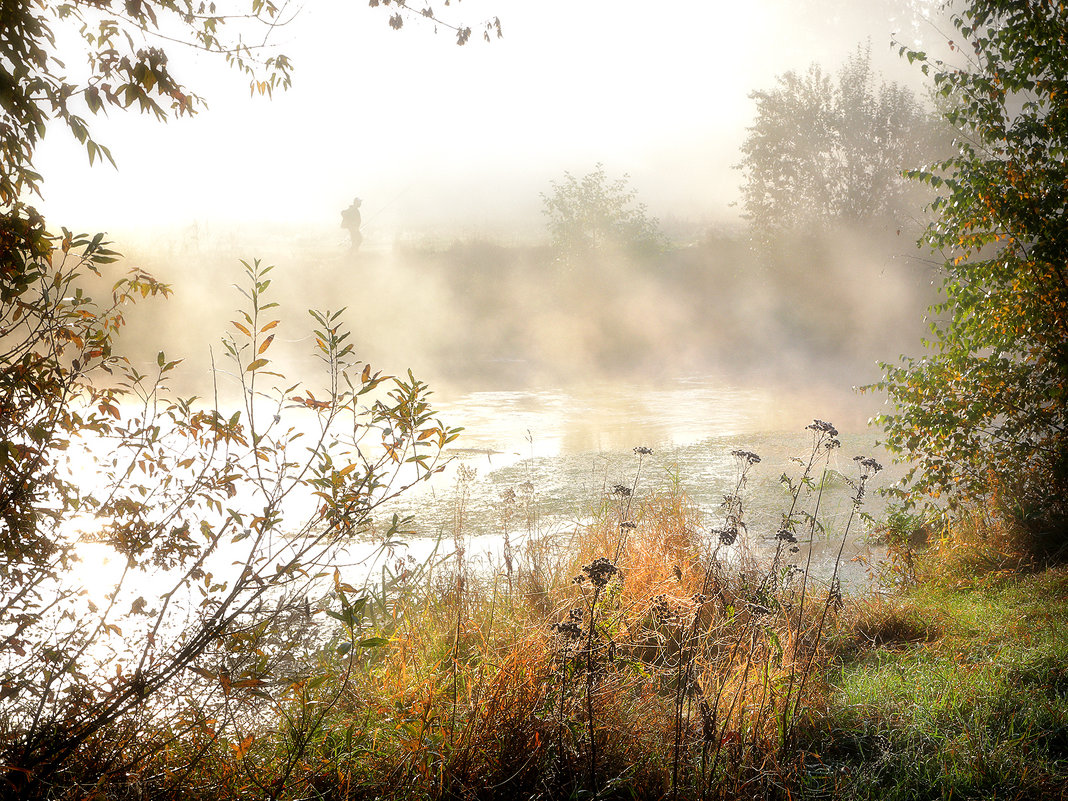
<point x="570" y="447"/>
<point x="513" y="425"/>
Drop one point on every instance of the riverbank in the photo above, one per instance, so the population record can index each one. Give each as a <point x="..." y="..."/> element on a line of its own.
<point x="651" y="655"/>
<point x="954" y="689"/>
<point x="658" y="660"/>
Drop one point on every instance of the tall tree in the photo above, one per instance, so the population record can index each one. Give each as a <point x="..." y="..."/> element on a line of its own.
<point x="984" y="411"/>
<point x="827" y="150"/>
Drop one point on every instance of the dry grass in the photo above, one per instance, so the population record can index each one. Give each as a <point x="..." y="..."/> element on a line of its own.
<point x="877" y="622"/>
<point x="646" y="654"/>
<point x="686" y="671"/>
<point x="666" y="688"/>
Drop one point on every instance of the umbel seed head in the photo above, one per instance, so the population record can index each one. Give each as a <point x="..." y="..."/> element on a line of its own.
<point x="600" y="571"/>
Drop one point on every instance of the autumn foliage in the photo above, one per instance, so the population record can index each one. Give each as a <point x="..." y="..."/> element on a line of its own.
<point x="986" y="408"/>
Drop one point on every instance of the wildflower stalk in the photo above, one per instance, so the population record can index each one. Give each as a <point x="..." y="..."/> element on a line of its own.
<point x="599" y="572"/>
<point x="465" y="476"/>
<point x="625" y="523"/>
<point x="869" y="467"/>
<point x="570" y="631"/>
<point x="589" y="693"/>
<point x="734" y="523"/>
<point x="826" y="440"/>
<point x="684" y="679"/>
<point x="733" y="519"/>
<point x="825" y="436"/>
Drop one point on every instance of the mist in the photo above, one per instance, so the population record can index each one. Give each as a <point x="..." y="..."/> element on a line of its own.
<point x="474" y="313"/>
<point x="452" y="150"/>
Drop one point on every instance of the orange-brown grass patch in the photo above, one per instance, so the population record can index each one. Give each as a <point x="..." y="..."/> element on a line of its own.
<point x="981" y="546"/>
<point x="634" y="730"/>
<point x="667" y="669"/>
<point x="506" y="738"/>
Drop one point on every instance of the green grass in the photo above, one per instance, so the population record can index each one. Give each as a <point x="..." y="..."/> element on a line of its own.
<point x="979" y="711"/>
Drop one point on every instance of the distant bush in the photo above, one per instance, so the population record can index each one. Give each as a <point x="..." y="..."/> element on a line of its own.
<point x="594" y="214"/>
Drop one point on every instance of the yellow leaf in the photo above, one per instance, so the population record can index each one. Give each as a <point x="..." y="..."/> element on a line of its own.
<point x="240" y="749"/>
<point x="266" y="344"/>
<point x="241" y="328"/>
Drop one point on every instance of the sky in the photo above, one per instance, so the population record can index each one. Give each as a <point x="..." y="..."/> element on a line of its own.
<point x="435" y="136"/>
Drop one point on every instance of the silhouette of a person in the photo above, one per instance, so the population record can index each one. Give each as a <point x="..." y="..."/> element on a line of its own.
<point x="351" y="221"/>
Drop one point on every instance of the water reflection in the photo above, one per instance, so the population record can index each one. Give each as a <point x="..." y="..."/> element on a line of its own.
<point x="570" y="447"/>
<point x="607" y="417"/>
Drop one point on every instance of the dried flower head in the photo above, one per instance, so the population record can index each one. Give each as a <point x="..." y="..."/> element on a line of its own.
<point x="786" y="535"/>
<point x="662" y="610"/>
<point x="868" y="465"/>
<point x="822" y="426"/>
<point x="757" y="608"/>
<point x="621" y="489"/>
<point x="571" y="628"/>
<point x="746" y="456"/>
<point x="600" y="571"/>
<point x="641" y="450"/>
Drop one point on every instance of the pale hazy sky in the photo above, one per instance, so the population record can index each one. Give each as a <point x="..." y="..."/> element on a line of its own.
<point x="431" y="134"/>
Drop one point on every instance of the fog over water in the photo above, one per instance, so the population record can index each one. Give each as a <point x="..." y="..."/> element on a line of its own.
<point x="451" y="149"/>
<point x="472" y="315"/>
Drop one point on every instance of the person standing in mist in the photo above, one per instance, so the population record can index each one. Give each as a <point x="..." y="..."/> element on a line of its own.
<point x="351" y="221"/>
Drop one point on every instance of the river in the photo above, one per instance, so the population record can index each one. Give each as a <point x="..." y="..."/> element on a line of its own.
<point x="561" y="451"/>
<point x="564" y="449"/>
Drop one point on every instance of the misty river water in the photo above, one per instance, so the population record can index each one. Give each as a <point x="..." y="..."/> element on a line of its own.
<point x="562" y="451"/>
<point x="541" y="463"/>
<point x="557" y="453"/>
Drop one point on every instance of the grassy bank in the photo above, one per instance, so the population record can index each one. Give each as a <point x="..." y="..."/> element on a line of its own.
<point x="650" y="655"/>
<point x="950" y="692"/>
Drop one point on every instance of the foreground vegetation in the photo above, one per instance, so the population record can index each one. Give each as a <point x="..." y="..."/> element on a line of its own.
<point x="650" y="654"/>
<point x="953" y="687"/>
<point x="952" y="692"/>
